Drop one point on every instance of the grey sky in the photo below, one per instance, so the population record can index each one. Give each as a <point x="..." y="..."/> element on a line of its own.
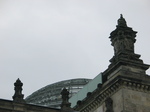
<point x="45" y="41"/>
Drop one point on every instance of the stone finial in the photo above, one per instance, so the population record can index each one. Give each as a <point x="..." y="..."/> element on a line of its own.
<point x="123" y="39"/>
<point x="124" y="59"/>
<point x="122" y="21"/>
<point x="65" y="105"/>
<point x="18" y="96"/>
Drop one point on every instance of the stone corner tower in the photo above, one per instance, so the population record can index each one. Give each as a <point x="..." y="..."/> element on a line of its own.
<point x="125" y="85"/>
<point x="125" y="59"/>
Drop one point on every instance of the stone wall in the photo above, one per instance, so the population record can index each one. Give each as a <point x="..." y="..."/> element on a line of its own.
<point x="127" y="100"/>
<point x="136" y="101"/>
<point x="10" y="106"/>
<point x="117" y="103"/>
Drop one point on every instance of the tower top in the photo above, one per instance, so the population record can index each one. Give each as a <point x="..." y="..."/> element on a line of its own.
<point x="122" y="40"/>
<point x="121" y="22"/>
<point x="18" y="96"/>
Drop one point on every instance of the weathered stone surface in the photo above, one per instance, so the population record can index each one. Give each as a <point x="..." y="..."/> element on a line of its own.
<point x="18" y="96"/>
<point x="125" y="59"/>
<point x="136" y="101"/>
<point x="127" y="100"/>
<point x="11" y="106"/>
<point x="100" y="109"/>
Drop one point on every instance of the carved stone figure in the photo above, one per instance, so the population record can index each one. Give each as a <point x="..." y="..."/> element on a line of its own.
<point x="65" y="95"/>
<point x="109" y="105"/>
<point x="123" y="39"/>
<point x="65" y="105"/>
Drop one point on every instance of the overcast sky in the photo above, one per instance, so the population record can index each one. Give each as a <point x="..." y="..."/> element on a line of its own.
<point x="46" y="41"/>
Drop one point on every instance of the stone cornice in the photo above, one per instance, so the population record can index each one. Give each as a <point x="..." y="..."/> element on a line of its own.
<point x="98" y="96"/>
<point x="120" y="63"/>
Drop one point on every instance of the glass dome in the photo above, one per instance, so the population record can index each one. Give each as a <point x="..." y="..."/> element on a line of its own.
<point x="50" y="95"/>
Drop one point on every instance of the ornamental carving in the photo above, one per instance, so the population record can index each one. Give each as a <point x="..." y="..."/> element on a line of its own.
<point x="18" y="96"/>
<point x="123" y="37"/>
<point x="109" y="105"/>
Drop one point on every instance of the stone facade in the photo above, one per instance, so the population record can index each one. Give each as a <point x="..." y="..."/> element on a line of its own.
<point x="136" y="101"/>
<point x="127" y="94"/>
<point x="19" y="105"/>
<point x="11" y="106"/>
<point x="125" y="86"/>
<point x="126" y="100"/>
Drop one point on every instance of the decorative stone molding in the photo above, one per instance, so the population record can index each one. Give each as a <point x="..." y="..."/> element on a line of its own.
<point x="126" y="70"/>
<point x="100" y="95"/>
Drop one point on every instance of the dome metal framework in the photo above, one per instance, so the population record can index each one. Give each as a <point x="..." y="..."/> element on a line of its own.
<point x="50" y="95"/>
